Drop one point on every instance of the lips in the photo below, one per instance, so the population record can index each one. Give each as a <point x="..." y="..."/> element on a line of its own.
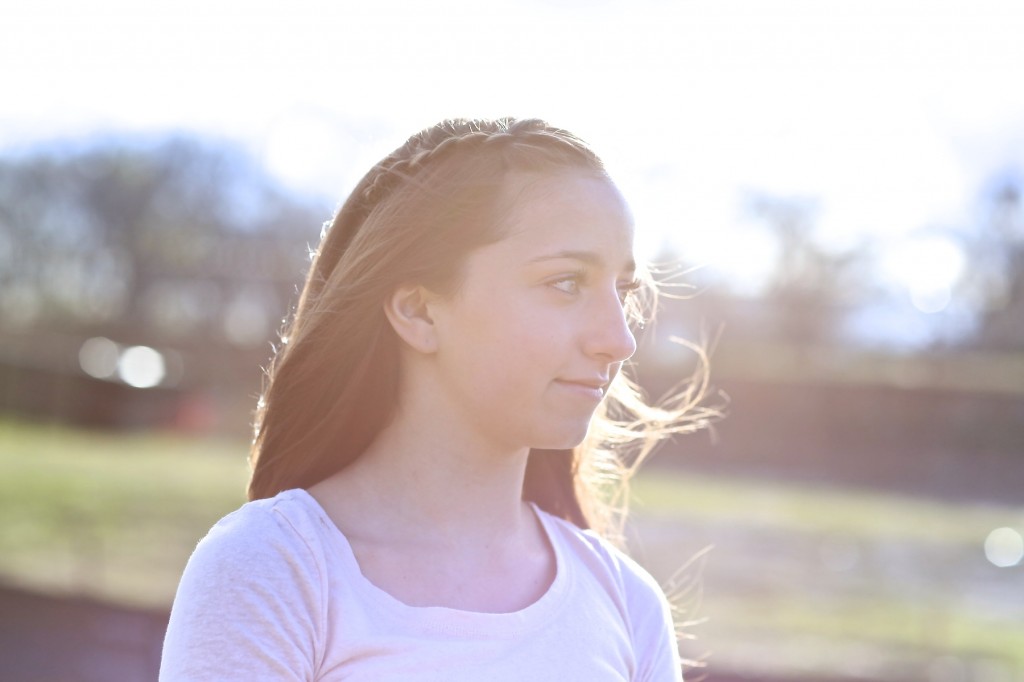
<point x="590" y="386"/>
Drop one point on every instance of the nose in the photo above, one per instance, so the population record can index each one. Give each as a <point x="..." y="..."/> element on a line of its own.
<point x="608" y="336"/>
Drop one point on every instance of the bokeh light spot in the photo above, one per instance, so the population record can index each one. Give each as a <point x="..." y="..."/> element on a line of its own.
<point x="928" y="267"/>
<point x="1004" y="547"/>
<point x="930" y="299"/>
<point x="141" y="367"/>
<point x="98" y="357"/>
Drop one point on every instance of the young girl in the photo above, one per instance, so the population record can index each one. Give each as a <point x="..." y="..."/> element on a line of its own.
<point x="433" y="447"/>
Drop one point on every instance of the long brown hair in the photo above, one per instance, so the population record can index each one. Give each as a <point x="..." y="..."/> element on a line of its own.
<point x="415" y="217"/>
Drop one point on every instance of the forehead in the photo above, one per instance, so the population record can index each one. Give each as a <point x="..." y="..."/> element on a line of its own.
<point x="571" y="211"/>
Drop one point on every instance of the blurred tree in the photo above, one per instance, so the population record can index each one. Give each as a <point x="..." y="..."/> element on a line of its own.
<point x="995" y="278"/>
<point x="803" y="303"/>
<point x="179" y="243"/>
<point x="160" y="238"/>
<point x="811" y="288"/>
<point x="804" y="299"/>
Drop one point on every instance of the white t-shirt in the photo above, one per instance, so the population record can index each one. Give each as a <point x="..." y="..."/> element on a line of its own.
<point x="274" y="592"/>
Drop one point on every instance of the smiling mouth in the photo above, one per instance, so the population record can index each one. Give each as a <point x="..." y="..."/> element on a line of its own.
<point x="593" y="389"/>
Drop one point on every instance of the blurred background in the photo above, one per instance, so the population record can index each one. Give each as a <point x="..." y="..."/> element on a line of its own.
<point x="840" y="185"/>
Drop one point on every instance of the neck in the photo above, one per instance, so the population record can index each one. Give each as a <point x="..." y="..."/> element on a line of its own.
<point x="421" y="480"/>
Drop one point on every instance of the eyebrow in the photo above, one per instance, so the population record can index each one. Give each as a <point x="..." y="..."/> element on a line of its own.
<point x="588" y="257"/>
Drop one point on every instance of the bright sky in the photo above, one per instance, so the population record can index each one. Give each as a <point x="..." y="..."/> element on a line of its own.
<point x="888" y="113"/>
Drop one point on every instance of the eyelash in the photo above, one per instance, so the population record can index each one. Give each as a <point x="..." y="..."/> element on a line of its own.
<point x="575" y="279"/>
<point x="628" y="289"/>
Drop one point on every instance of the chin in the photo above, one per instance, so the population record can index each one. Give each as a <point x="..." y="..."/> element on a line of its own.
<point x="566" y="440"/>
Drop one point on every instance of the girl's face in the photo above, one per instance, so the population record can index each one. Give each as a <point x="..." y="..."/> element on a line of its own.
<point x="530" y="341"/>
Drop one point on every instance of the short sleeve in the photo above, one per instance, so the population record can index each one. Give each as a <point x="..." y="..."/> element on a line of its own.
<point x="650" y="617"/>
<point x="249" y="605"/>
<point x="657" y="646"/>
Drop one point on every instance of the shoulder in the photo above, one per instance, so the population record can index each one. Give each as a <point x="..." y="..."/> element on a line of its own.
<point x="287" y="521"/>
<point x="261" y="537"/>
<point x="600" y="553"/>
<point x="252" y="597"/>
<point x="275" y="540"/>
<point x="640" y="601"/>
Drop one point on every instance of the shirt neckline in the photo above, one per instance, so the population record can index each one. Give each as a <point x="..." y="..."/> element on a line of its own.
<point x="442" y="619"/>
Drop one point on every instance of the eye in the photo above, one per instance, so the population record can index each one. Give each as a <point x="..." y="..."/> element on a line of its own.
<point x="626" y="289"/>
<point x="569" y="284"/>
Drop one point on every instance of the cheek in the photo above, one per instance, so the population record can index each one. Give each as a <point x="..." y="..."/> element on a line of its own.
<point x="537" y="333"/>
<point x="510" y="333"/>
<point x="517" y="349"/>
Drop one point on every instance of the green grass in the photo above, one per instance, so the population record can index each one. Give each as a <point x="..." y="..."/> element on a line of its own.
<point x="109" y="515"/>
<point x="825" y="511"/>
<point x="904" y="627"/>
<point x="804" y="610"/>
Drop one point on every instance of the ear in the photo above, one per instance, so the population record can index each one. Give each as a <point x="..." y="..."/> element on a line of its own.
<point x="407" y="310"/>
